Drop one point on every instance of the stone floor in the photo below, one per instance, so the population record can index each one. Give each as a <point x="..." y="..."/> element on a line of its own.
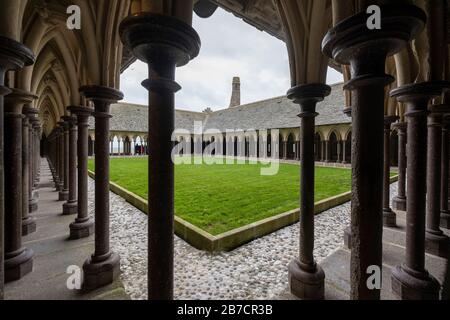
<point x="257" y="270"/>
<point x="54" y="253"/>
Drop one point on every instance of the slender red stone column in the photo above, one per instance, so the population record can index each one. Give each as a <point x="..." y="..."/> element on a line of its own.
<point x="163" y="43"/>
<point x="104" y="265"/>
<point x="411" y="280"/>
<point x="399" y="202"/>
<point x="83" y="226"/>
<point x="351" y="42"/>
<point x="306" y="278"/>
<point x="28" y="222"/>
<point x="436" y="242"/>
<point x="445" y="213"/>
<point x="389" y="217"/>
<point x="59" y="157"/>
<point x="64" y="193"/>
<point x="34" y="194"/>
<point x="18" y="260"/>
<point x="37" y="152"/>
<point x="13" y="56"/>
<point x="70" y="207"/>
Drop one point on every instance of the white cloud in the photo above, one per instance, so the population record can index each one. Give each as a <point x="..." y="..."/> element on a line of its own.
<point x="230" y="47"/>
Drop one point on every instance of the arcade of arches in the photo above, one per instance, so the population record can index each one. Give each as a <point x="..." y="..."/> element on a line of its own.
<point x="55" y="81"/>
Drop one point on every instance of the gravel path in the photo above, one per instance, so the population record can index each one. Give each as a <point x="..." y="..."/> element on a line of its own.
<point x="257" y="270"/>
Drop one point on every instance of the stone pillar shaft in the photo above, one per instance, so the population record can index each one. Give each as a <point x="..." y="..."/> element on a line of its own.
<point x="435" y="241"/>
<point x="3" y="91"/>
<point x="83" y="226"/>
<point x="411" y="280"/>
<point x="18" y="260"/>
<point x="102" y="179"/>
<point x="64" y="193"/>
<point x="306" y="278"/>
<point x="344" y="160"/>
<point x="60" y="158"/>
<point x="445" y="213"/>
<point x="104" y="266"/>
<point x="161" y="183"/>
<point x="28" y="223"/>
<point x="389" y="217"/>
<point x="70" y="207"/>
<point x="399" y="202"/>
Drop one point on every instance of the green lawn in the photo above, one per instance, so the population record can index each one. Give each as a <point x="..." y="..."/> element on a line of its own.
<point x="219" y="198"/>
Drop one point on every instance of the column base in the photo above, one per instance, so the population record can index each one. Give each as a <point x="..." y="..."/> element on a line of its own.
<point x="28" y="226"/>
<point x="33" y="205"/>
<point x="389" y="218"/>
<point x="70" y="208"/>
<point x="306" y="285"/>
<point x="348" y="237"/>
<point x="18" y="264"/>
<point x="58" y="186"/>
<point x="445" y="220"/>
<point x="81" y="228"/>
<point x="437" y="244"/>
<point x="63" y="195"/>
<point x="98" y="274"/>
<point x="399" y="204"/>
<point x="410" y="285"/>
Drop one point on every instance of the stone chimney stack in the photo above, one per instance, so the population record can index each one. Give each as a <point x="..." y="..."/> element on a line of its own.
<point x="236" y="93"/>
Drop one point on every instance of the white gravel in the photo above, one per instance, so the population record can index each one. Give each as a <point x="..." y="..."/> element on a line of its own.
<point x="257" y="270"/>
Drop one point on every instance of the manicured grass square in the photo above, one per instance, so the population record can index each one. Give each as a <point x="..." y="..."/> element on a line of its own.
<point x="219" y="198"/>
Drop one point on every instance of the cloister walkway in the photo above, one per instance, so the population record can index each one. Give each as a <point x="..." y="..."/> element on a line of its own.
<point x="257" y="270"/>
<point x="54" y="253"/>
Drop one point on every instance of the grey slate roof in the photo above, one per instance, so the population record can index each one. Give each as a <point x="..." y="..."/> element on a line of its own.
<point x="275" y="113"/>
<point x="278" y="113"/>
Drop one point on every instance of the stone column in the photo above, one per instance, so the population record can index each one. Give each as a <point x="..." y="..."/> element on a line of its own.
<point x="344" y="160"/>
<point x="411" y="280"/>
<point x="70" y="207"/>
<point x="323" y="152"/>
<point x="28" y="222"/>
<point x="339" y="149"/>
<point x="306" y="278"/>
<point x="83" y="226"/>
<point x="33" y="192"/>
<point x="389" y="217"/>
<point x="104" y="265"/>
<point x="13" y="56"/>
<point x="64" y="193"/>
<point x="60" y="156"/>
<point x="285" y="145"/>
<point x="176" y="44"/>
<point x="349" y="42"/>
<point x="445" y="213"/>
<point x="399" y="202"/>
<point x="327" y="151"/>
<point x="18" y="260"/>
<point x="37" y="158"/>
<point x="436" y="242"/>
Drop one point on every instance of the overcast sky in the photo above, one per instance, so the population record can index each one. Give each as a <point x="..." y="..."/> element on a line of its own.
<point x="230" y="47"/>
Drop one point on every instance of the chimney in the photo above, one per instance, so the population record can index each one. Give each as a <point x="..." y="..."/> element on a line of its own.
<point x="236" y="93"/>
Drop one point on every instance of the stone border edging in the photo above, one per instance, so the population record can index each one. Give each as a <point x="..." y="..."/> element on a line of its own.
<point x="232" y="239"/>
